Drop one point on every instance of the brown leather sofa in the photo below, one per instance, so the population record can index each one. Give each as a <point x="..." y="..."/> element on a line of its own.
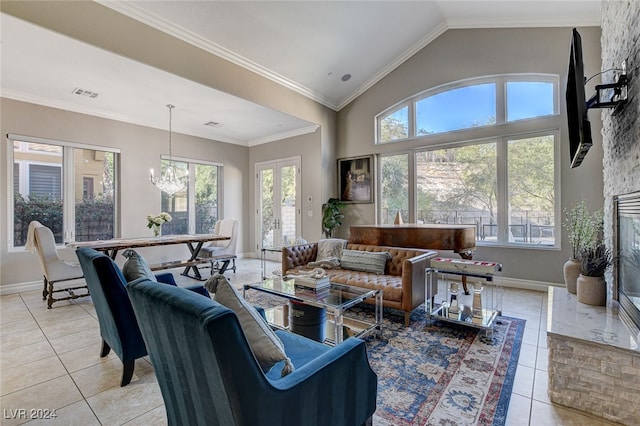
<point x="403" y="283"/>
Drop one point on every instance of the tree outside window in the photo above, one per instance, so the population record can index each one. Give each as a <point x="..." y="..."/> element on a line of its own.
<point x="38" y="181"/>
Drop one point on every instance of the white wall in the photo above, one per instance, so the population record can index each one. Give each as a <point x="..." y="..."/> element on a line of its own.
<point x="461" y="54"/>
<point x="140" y="149"/>
<point x="457" y="54"/>
<point x="157" y="49"/>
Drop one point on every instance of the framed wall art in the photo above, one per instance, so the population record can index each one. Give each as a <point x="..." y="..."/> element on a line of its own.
<point x="355" y="179"/>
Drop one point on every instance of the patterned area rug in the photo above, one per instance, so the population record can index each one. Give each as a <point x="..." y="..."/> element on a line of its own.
<point x="438" y="373"/>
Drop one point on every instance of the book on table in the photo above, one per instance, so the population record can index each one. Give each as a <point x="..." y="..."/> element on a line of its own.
<point x="314" y="293"/>
<point x="312" y="283"/>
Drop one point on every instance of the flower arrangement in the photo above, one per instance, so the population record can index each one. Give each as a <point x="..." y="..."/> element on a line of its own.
<point x="584" y="228"/>
<point x="155" y="222"/>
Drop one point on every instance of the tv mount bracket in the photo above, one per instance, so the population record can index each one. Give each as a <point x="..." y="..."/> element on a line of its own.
<point x="611" y="95"/>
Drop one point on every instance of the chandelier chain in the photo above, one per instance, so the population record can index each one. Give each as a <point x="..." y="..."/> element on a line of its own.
<point x="169" y="181"/>
<point x="171" y="107"/>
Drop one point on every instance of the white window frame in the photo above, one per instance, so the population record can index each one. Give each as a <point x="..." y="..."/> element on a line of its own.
<point x="68" y="182"/>
<point x="391" y="111"/>
<point x="191" y="187"/>
<point x="501" y="101"/>
<point x="501" y="142"/>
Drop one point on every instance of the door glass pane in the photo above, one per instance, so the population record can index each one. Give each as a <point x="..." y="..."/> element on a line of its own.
<point x="458" y="186"/>
<point x="529" y="99"/>
<point x="178" y="205"/>
<point x="266" y="207"/>
<point x="39" y="193"/>
<point x="288" y="205"/>
<point x="395" y="187"/>
<point x="531" y="190"/>
<point x="456" y="109"/>
<point x="206" y="198"/>
<point x="94" y="194"/>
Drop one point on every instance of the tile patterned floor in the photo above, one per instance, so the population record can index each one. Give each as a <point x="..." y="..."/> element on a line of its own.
<point x="49" y="360"/>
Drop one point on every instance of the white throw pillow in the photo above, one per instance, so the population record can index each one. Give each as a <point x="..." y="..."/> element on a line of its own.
<point x="266" y="346"/>
<point x="366" y="261"/>
<point x="330" y="247"/>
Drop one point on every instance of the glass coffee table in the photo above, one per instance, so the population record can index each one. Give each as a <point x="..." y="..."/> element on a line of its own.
<point x="336" y="301"/>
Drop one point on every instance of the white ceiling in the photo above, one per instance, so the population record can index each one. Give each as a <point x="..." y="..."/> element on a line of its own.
<point x="307" y="46"/>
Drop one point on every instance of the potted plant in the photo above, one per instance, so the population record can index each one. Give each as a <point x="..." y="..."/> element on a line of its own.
<point x="591" y="285"/>
<point x="583" y="228"/>
<point x="332" y="216"/>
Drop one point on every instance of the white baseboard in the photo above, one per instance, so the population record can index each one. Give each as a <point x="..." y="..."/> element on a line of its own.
<point x="528" y="284"/>
<point x="20" y="287"/>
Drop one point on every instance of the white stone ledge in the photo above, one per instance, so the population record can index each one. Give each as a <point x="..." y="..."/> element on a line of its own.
<point x="594" y="359"/>
<point x="601" y="325"/>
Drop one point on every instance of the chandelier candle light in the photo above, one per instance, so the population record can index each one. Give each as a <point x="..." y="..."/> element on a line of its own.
<point x="169" y="182"/>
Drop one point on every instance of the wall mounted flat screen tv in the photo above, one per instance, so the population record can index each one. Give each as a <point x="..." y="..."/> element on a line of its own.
<point x="579" y="126"/>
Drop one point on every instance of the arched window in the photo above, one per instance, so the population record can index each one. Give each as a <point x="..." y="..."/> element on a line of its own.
<point x="501" y="178"/>
<point x="479" y="102"/>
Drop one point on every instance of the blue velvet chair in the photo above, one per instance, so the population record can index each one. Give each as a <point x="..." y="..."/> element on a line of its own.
<point x="209" y="376"/>
<point x="118" y="325"/>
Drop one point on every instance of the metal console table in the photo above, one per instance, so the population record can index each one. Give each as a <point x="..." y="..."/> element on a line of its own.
<point x="480" y="307"/>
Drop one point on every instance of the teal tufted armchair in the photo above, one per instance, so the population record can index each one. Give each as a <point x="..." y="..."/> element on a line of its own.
<point x="118" y="325"/>
<point x="209" y="376"/>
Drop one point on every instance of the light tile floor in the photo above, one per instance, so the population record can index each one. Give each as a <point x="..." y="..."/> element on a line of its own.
<point x="49" y="362"/>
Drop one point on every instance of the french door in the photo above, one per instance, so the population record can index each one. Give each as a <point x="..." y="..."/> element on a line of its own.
<point x="278" y="202"/>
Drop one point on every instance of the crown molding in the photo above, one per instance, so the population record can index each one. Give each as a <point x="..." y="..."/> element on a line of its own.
<point x="284" y="135"/>
<point x="415" y="48"/>
<point x="95" y="112"/>
<point x="460" y="24"/>
<point x="152" y="20"/>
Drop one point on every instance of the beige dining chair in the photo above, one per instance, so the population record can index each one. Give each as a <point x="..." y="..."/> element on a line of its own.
<point x="40" y="240"/>
<point x="221" y="253"/>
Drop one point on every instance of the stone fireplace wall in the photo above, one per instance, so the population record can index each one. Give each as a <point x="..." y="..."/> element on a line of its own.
<point x="620" y="133"/>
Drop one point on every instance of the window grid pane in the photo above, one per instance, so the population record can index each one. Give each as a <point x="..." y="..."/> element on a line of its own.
<point x="94" y="195"/>
<point x="178" y="204"/>
<point x="41" y="196"/>
<point x="459" y="186"/>
<point x="206" y="198"/>
<point x="395" y="126"/>
<point x="456" y="109"/>
<point x="395" y="187"/>
<point x="531" y="190"/>
<point x="529" y="99"/>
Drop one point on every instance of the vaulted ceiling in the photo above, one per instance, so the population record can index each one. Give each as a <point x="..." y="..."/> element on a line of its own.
<point x="329" y="51"/>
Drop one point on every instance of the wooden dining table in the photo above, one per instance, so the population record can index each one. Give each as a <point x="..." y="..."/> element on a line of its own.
<point x="193" y="242"/>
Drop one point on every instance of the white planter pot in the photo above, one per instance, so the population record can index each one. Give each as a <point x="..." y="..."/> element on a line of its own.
<point x="592" y="290"/>
<point x="571" y="271"/>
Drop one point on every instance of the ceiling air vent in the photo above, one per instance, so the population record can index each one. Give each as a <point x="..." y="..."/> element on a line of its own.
<point x="213" y="124"/>
<point x="85" y="93"/>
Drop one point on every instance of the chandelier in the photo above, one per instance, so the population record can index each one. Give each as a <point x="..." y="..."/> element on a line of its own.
<point x="169" y="182"/>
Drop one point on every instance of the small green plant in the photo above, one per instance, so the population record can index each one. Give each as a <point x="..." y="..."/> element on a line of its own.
<point x="332" y="216"/>
<point x="595" y="259"/>
<point x="584" y="228"/>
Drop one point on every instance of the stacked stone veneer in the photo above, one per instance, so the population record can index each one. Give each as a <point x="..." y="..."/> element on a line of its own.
<point x="598" y="378"/>
<point x="595" y="378"/>
<point x="620" y="133"/>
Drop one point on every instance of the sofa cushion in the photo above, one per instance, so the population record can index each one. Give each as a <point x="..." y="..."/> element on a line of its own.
<point x="136" y="267"/>
<point x="266" y="346"/>
<point x="330" y="247"/>
<point x="365" y="261"/>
